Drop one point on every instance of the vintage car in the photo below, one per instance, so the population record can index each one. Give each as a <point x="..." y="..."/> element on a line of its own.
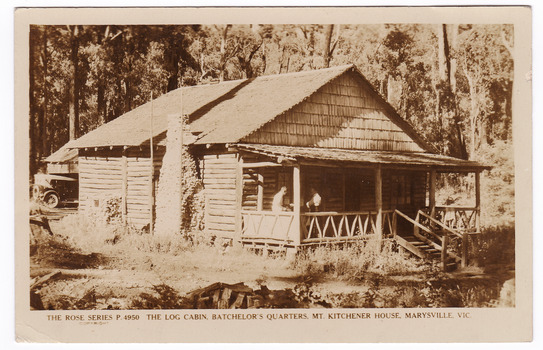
<point x="53" y="190"/>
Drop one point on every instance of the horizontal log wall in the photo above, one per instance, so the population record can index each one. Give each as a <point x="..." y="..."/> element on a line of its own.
<point x="101" y="173"/>
<point x="342" y="114"/>
<point x="98" y="176"/>
<point x="219" y="178"/>
<point x="250" y="189"/>
<point x="270" y="187"/>
<point x="138" y="190"/>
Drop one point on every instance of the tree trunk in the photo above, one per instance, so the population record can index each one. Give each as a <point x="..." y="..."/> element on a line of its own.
<point x="100" y="89"/>
<point x="34" y="129"/>
<point x="282" y="59"/>
<point x="329" y="45"/>
<point x="383" y="87"/>
<point x="508" y="108"/>
<point x="390" y="93"/>
<point x="222" y="64"/>
<point x="452" y="34"/>
<point x="115" y="106"/>
<point x="45" y="122"/>
<point x="447" y="102"/>
<point x="245" y="63"/>
<point x="264" y="59"/>
<point x="327" y="42"/>
<point x="74" y="84"/>
<point x="173" y="78"/>
<point x="442" y="59"/>
<point x="474" y="113"/>
<point x="437" y="109"/>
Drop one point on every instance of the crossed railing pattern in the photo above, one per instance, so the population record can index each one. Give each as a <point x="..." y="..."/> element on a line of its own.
<point x="463" y="219"/>
<point x="323" y="226"/>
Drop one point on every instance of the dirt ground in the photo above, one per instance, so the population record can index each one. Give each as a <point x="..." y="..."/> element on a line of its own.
<point x="122" y="276"/>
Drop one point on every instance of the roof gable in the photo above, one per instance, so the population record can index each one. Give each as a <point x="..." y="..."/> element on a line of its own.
<point x="226" y="112"/>
<point x="345" y="113"/>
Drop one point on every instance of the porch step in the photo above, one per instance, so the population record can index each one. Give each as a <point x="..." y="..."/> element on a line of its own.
<point x="423" y="249"/>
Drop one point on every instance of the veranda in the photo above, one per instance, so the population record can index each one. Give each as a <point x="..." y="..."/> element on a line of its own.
<point x="359" y="200"/>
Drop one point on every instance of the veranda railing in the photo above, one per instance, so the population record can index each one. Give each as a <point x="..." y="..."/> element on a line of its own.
<point x="461" y="218"/>
<point x="331" y="226"/>
<point x="314" y="227"/>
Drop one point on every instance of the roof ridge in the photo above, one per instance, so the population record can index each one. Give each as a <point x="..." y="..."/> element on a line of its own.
<point x="271" y="76"/>
<point x="311" y="71"/>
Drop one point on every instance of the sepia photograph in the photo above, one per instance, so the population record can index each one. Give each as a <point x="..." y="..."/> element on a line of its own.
<point x="367" y="169"/>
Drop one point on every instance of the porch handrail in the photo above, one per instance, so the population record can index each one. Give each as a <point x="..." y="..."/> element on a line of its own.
<point x="466" y="218"/>
<point x="437" y="222"/>
<point x="329" y="213"/>
<point x="280" y="213"/>
<point x="419" y="225"/>
<point x="465" y="207"/>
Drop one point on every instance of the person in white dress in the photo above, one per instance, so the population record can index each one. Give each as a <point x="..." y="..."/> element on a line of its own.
<point x="277" y="204"/>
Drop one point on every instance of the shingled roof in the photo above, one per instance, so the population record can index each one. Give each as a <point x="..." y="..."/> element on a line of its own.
<point x="64" y="154"/>
<point x="133" y="128"/>
<point x="414" y="159"/>
<point x="225" y="112"/>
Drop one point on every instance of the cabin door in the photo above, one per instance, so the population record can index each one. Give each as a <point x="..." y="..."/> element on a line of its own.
<point x="401" y="194"/>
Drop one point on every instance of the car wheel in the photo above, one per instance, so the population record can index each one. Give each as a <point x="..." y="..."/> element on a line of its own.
<point x="51" y="200"/>
<point x="35" y="192"/>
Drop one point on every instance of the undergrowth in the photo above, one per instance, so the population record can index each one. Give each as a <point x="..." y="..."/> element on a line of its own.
<point x="393" y="278"/>
<point x="84" y="234"/>
<point x="358" y="259"/>
<point x="438" y="292"/>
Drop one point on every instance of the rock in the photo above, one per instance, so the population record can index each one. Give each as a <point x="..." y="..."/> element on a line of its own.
<point x="507" y="294"/>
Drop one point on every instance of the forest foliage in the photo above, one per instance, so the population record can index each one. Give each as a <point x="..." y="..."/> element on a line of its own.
<point x="453" y="83"/>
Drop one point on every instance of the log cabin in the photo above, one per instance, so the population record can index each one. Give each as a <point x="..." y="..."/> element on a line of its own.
<point x="327" y="131"/>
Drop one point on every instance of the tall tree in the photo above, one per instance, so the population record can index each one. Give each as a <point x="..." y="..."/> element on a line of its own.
<point x="487" y="69"/>
<point x="329" y="44"/>
<point x="45" y="62"/>
<point x="34" y="135"/>
<point x="74" y="84"/>
<point x="224" y="55"/>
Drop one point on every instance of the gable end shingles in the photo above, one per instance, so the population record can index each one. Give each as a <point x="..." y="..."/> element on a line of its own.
<point x="342" y="114"/>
